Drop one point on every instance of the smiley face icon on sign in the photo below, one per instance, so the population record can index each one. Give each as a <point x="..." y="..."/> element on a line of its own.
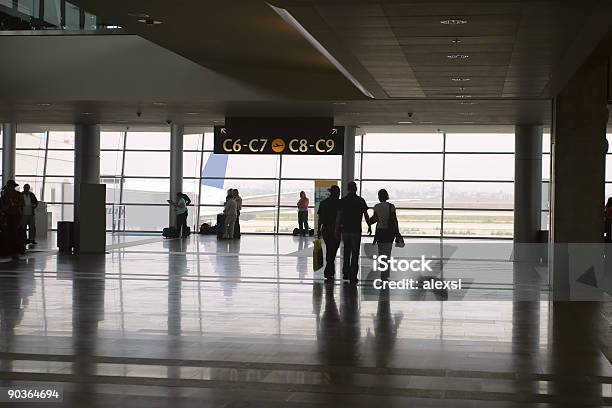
<point x="278" y="145"/>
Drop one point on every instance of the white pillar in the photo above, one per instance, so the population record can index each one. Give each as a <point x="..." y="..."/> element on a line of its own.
<point x="348" y="158"/>
<point x="176" y="167"/>
<point x="86" y="160"/>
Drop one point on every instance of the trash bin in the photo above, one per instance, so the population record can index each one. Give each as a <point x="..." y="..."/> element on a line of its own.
<point x="65" y="236"/>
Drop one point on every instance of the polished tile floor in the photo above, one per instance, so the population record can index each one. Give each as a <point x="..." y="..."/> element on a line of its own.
<point x="202" y="323"/>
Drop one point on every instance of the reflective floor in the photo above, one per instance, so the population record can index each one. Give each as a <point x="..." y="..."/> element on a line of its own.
<point x="197" y="322"/>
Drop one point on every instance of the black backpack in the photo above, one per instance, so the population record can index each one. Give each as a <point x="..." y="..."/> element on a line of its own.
<point x="170" y="232"/>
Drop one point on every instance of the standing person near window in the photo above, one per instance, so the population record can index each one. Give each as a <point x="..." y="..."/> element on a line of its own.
<point x="11" y="206"/>
<point x="328" y="211"/>
<point x="387" y="228"/>
<point x="231" y="213"/>
<point x="30" y="203"/>
<point x="180" y="207"/>
<point x="348" y="224"/>
<point x="302" y="206"/>
<point x="238" y="199"/>
<point x="608" y="219"/>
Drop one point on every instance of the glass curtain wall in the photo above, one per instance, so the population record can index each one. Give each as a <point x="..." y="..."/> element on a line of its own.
<point x="451" y="185"/>
<point x="45" y="161"/>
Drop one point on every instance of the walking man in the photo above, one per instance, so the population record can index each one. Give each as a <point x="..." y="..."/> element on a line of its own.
<point x="30" y="202"/>
<point x="351" y="211"/>
<point x="328" y="212"/>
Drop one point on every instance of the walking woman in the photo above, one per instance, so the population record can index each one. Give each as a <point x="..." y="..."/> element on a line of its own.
<point x="302" y="206"/>
<point x="387" y="228"/>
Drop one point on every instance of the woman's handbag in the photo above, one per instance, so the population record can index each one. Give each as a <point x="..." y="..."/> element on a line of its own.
<point x="399" y="240"/>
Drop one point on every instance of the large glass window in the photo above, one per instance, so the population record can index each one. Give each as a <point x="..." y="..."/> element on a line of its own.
<point x="405" y="194"/>
<point x="458" y="185"/>
<point x="479" y="167"/>
<point x="402" y="142"/>
<point x="401" y="166"/>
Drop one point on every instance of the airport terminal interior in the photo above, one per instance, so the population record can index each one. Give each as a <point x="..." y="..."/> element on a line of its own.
<point x="486" y="121"/>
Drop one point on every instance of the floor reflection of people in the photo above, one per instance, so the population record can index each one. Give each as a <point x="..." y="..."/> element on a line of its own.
<point x="228" y="265"/>
<point x="338" y="331"/>
<point x="385" y="329"/>
<point x="302" y="258"/>
<point x="11" y="314"/>
<point x="177" y="270"/>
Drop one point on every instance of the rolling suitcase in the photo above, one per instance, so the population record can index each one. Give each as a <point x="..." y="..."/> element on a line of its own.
<point x="220" y="225"/>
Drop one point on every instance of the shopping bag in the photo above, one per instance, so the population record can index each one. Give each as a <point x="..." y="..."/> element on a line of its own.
<point x="317" y="255"/>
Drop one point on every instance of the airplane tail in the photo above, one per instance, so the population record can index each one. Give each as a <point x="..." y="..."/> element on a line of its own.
<point x="216" y="167"/>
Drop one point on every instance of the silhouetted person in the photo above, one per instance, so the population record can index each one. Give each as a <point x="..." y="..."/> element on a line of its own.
<point x="608" y="220"/>
<point x="348" y="223"/>
<point x="11" y="206"/>
<point x="387" y="229"/>
<point x="238" y="199"/>
<point x="328" y="212"/>
<point x="30" y="203"/>
<point x="302" y="206"/>
<point x="180" y="208"/>
<point x="231" y="213"/>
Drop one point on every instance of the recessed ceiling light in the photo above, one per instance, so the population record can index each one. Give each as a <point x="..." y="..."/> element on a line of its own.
<point x="468" y="122"/>
<point x="86" y="113"/>
<point x="139" y="15"/>
<point x="453" y="21"/>
<point x="456" y="41"/>
<point x="404" y="122"/>
<point x="457" y="56"/>
<point x="461" y="79"/>
<point x="149" y="21"/>
<point x="192" y="113"/>
<point x="463" y="96"/>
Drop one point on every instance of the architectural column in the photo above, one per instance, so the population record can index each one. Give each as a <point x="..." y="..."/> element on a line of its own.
<point x="176" y="167"/>
<point x="348" y="158"/>
<point x="89" y="194"/>
<point x="527" y="189"/>
<point x="86" y="160"/>
<point x="580" y="116"/>
<point x="9" y="134"/>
